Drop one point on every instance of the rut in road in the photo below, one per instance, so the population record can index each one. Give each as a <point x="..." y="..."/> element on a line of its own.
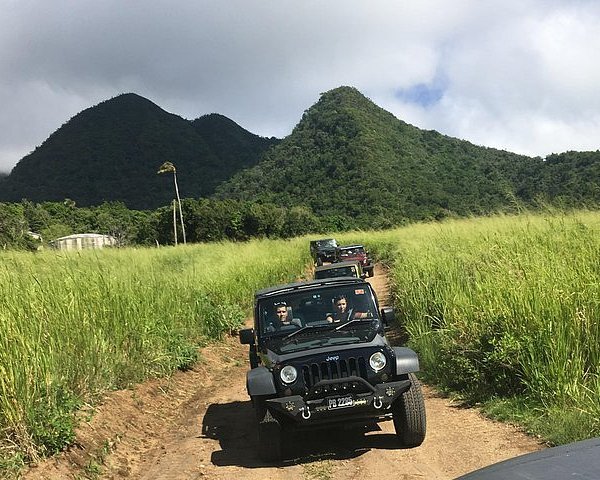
<point x="200" y="424"/>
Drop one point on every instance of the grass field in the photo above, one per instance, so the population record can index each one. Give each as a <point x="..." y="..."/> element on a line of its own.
<point x="503" y="310"/>
<point x="77" y="324"/>
<point x="506" y="311"/>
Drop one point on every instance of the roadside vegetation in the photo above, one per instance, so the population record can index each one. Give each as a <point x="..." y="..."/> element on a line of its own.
<point x="505" y="312"/>
<point x="75" y="325"/>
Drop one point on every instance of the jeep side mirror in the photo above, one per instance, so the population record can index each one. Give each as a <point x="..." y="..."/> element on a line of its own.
<point x="247" y="336"/>
<point x="387" y="315"/>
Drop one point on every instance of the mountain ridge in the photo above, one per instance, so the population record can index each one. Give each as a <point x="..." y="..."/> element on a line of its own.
<point x="112" y="151"/>
<point x="387" y="169"/>
<point x="347" y="159"/>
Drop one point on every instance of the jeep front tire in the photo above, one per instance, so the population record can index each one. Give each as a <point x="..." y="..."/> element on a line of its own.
<point x="409" y="415"/>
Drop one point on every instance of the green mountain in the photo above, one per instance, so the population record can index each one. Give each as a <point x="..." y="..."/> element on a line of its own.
<point x="349" y="158"/>
<point x="113" y="150"/>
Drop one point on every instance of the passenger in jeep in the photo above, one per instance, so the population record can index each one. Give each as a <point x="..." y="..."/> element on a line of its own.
<point x="343" y="311"/>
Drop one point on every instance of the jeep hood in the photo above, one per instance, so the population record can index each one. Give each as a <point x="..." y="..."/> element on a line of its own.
<point x="378" y="341"/>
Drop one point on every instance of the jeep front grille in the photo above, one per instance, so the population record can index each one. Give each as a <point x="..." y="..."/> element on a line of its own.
<point x="334" y="369"/>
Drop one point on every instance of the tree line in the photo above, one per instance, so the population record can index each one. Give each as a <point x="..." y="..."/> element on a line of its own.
<point x="29" y="226"/>
<point x="206" y="220"/>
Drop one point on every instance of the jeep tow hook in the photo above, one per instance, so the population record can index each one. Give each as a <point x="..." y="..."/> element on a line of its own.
<point x="377" y="402"/>
<point x="305" y="412"/>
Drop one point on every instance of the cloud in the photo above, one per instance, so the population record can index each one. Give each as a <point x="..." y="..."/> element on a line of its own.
<point x="523" y="80"/>
<point x="518" y="75"/>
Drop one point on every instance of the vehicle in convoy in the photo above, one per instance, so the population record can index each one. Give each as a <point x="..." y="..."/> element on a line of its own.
<point x="341" y="269"/>
<point x="579" y="460"/>
<point x="323" y="250"/>
<point x="329" y="364"/>
<point x="354" y="252"/>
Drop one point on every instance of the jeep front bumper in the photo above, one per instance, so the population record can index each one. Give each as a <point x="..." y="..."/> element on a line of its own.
<point x="338" y="402"/>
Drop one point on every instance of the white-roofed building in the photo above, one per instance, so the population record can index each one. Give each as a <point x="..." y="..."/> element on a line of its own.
<point x="80" y="241"/>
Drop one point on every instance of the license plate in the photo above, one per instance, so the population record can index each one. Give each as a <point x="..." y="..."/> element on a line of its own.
<point x="342" y="402"/>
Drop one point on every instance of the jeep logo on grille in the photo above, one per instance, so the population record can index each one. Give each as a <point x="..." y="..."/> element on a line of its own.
<point x="333" y="358"/>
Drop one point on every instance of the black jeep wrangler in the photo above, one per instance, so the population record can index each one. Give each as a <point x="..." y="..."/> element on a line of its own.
<point x="323" y="250"/>
<point x="319" y="356"/>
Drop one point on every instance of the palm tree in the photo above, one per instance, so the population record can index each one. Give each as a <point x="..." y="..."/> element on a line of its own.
<point x="165" y="168"/>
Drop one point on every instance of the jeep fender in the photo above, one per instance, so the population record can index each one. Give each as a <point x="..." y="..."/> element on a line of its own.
<point x="406" y="360"/>
<point x="259" y="381"/>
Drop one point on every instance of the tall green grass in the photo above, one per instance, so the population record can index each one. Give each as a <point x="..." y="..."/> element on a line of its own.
<point x="498" y="308"/>
<point x="506" y="307"/>
<point x="74" y="325"/>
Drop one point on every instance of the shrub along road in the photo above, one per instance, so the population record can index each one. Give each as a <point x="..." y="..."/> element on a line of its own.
<point x="200" y="424"/>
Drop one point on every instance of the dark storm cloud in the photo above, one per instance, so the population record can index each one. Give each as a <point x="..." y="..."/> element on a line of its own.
<point x="519" y="75"/>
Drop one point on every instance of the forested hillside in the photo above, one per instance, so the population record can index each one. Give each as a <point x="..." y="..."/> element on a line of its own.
<point x="571" y="178"/>
<point x="348" y="163"/>
<point x="349" y="158"/>
<point x="111" y="152"/>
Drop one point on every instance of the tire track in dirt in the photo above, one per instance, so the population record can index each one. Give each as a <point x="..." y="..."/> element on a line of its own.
<point x="200" y="424"/>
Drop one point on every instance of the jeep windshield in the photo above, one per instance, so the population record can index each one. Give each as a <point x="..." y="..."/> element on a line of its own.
<point x="347" y="271"/>
<point x="352" y="252"/>
<point x="329" y="243"/>
<point x="327" y="316"/>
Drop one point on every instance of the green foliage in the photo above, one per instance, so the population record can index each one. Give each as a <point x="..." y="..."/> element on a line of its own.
<point x="557" y="425"/>
<point x="51" y="420"/>
<point x="76" y="324"/>
<point x="506" y="307"/>
<point x="184" y="353"/>
<point x="14" y="231"/>
<point x="571" y="179"/>
<point x="205" y="220"/>
<point x="216" y="220"/>
<point x="10" y="464"/>
<point x="354" y="164"/>
<point x="56" y="230"/>
<point x="13" y="225"/>
<point x="350" y="159"/>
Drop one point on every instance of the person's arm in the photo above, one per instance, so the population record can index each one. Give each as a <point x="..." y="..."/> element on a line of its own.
<point x="354" y="315"/>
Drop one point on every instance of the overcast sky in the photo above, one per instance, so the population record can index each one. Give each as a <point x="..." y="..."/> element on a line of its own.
<point x="521" y="75"/>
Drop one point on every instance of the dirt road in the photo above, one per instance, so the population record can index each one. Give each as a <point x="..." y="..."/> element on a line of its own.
<point x="200" y="424"/>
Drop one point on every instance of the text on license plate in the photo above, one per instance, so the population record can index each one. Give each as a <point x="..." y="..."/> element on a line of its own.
<point x="341" y="402"/>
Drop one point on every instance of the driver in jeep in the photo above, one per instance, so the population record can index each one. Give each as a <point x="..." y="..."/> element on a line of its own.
<point x="323" y="373"/>
<point x="283" y="318"/>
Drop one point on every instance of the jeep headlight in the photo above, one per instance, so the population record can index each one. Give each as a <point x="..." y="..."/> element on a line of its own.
<point x="378" y="361"/>
<point x="288" y="374"/>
